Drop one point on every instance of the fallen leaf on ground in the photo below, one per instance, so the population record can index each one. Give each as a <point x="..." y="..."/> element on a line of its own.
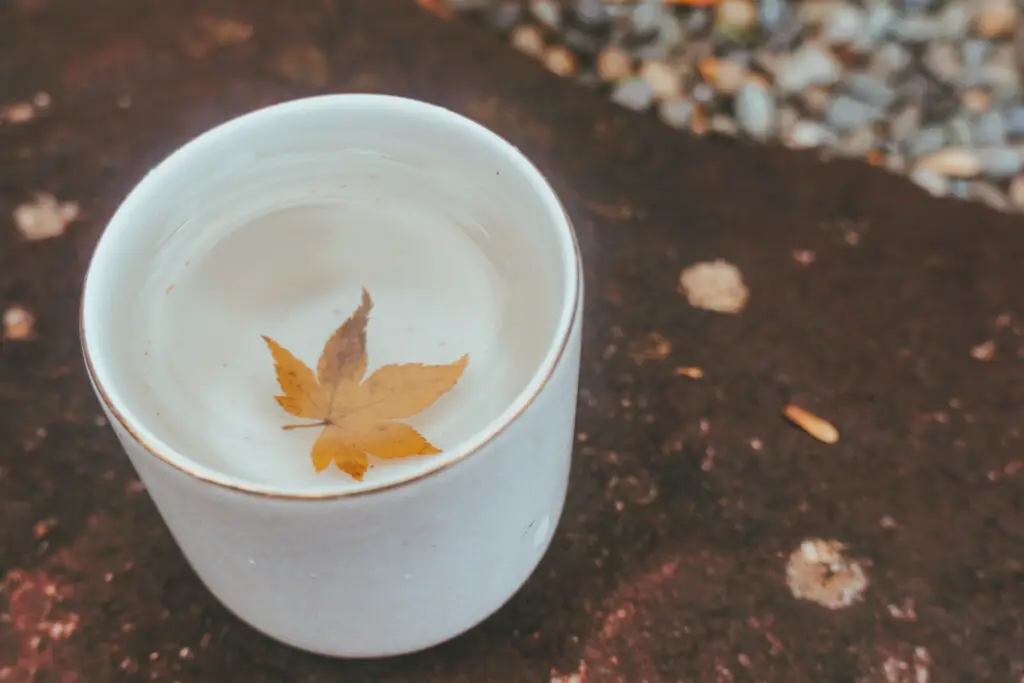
<point x="210" y="33"/>
<point x="439" y="7"/>
<point x="303" y="65"/>
<point x="819" y="571"/>
<point x="819" y="428"/>
<point x="358" y="415"/>
<point x="18" y="324"/>
<point x="651" y="346"/>
<point x="45" y="217"/>
<point x="691" y="372"/>
<point x="714" y="286"/>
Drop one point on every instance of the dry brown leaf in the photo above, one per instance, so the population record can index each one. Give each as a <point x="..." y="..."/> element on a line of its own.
<point x="302" y="65"/>
<point x="357" y="414"/>
<point x="819" y="428"/>
<point x="439" y="7"/>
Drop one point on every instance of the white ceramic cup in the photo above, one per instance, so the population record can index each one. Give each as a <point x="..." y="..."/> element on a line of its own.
<point x="194" y="266"/>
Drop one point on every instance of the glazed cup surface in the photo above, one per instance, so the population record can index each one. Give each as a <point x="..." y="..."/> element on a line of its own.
<point x="194" y="266"/>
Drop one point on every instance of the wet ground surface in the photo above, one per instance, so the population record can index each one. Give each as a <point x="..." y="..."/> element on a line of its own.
<point x="896" y="319"/>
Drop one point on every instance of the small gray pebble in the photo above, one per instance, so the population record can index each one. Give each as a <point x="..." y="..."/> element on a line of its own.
<point x="974" y="51"/>
<point x="917" y="6"/>
<point x="703" y="93"/>
<point x="905" y="123"/>
<point x="723" y="125"/>
<point x="755" y="110"/>
<point x="1003" y="79"/>
<point x="889" y="60"/>
<point x="942" y="59"/>
<point x="582" y="41"/>
<point x="1000" y="162"/>
<point x="955" y="19"/>
<point x="845" y="113"/>
<point x="647" y="16"/>
<point x="633" y="93"/>
<point x="805" y="134"/>
<point x="858" y="143"/>
<point x="958" y="188"/>
<point x="1015" y="121"/>
<point x="504" y="15"/>
<point x="653" y="52"/>
<point x="988" y="129"/>
<point x="772" y="12"/>
<point x="917" y="29"/>
<point x="547" y="12"/>
<point x="676" y="112"/>
<point x="934" y="183"/>
<point x="880" y="16"/>
<point x="591" y="12"/>
<point x="958" y="131"/>
<point x="927" y="140"/>
<point x="870" y="89"/>
<point x="809" y="65"/>
<point x="843" y="24"/>
<point x="987" y="193"/>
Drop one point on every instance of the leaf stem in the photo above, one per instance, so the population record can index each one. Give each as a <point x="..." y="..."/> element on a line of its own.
<point x="321" y="423"/>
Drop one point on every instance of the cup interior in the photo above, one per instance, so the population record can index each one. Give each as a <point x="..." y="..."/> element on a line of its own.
<point x="272" y="224"/>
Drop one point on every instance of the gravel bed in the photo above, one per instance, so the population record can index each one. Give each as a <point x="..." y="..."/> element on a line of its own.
<point x="926" y="88"/>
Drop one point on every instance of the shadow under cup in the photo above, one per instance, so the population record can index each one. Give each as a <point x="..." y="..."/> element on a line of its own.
<point x="272" y="224"/>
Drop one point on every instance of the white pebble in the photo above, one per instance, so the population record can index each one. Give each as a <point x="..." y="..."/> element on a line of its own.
<point x="664" y="81"/>
<point x="676" y="112"/>
<point x="917" y="29"/>
<point x="528" y="39"/>
<point x="614" y="64"/>
<point x="755" y="110"/>
<point x="845" y="113"/>
<point x="955" y="19"/>
<point x="809" y="65"/>
<point x="45" y="217"/>
<point x="999" y="162"/>
<point x="634" y="94"/>
<point x="889" y="59"/>
<point x="819" y="571"/>
<point x="560" y="61"/>
<point x="647" y="16"/>
<point x="714" y="286"/>
<point x="18" y="324"/>
<point x="955" y="162"/>
<point x="843" y="25"/>
<point x="934" y="183"/>
<point x="806" y="134"/>
<point x="547" y="12"/>
<point x="870" y="89"/>
<point x="880" y="16"/>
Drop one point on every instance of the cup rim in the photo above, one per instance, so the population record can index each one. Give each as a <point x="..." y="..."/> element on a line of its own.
<point x="570" y="308"/>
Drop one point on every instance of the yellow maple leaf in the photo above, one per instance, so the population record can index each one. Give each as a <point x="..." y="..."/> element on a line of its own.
<point x="358" y="415"/>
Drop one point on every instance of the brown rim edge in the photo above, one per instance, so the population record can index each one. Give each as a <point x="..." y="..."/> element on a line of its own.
<point x="576" y="312"/>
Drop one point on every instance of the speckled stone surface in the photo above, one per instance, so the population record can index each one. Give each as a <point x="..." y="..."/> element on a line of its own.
<point x="687" y="496"/>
